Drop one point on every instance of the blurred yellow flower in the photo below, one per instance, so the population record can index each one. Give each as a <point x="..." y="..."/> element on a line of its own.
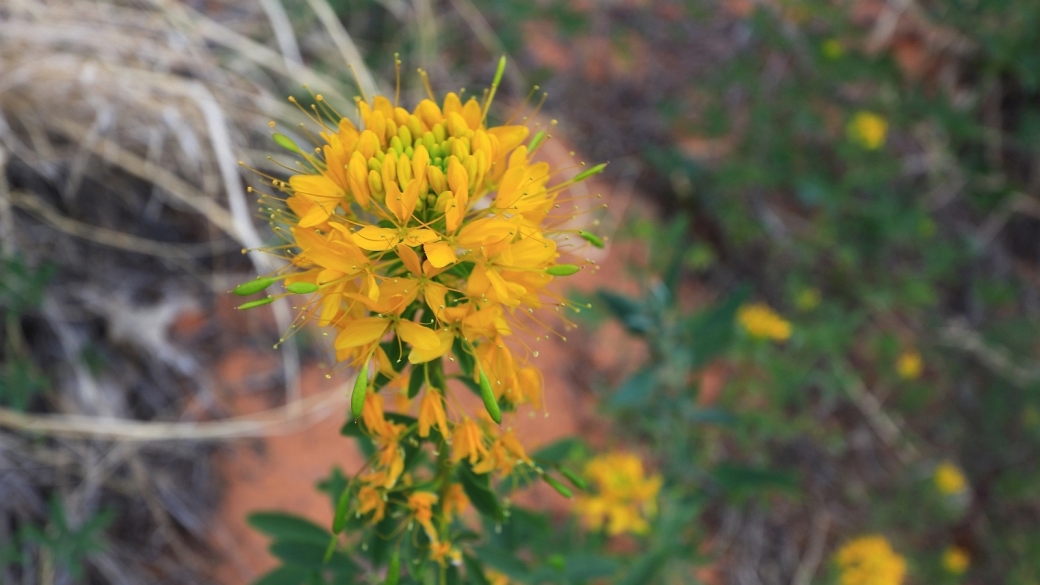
<point x="870" y="560"/>
<point x="625" y="498"/>
<point x="762" y="322"/>
<point x="949" y="479"/>
<point x="833" y="49"/>
<point x="495" y="578"/>
<point x="909" y="365"/>
<point x="868" y="129"/>
<point x="808" y="299"/>
<point x="956" y="560"/>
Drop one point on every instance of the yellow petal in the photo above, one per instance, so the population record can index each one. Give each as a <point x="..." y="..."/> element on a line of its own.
<point x="418" y="356"/>
<point x="440" y="254"/>
<point x="376" y="239"/>
<point x="315" y="216"/>
<point x="419" y="337"/>
<point x="420" y="236"/>
<point x="410" y="259"/>
<point x="361" y="332"/>
<point x="316" y="187"/>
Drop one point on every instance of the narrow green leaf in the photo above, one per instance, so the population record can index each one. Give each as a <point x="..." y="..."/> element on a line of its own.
<point x="393" y="571"/>
<point x="281" y="526"/>
<point x="416" y="380"/>
<point x="536" y="140"/>
<point x="574" y="478"/>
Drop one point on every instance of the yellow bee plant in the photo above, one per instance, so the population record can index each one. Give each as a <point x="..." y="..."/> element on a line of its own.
<point x="424" y="237"/>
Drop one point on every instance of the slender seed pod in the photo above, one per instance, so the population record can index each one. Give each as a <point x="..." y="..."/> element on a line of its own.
<point x="254" y="304"/>
<point x="488" y="396"/>
<point x="253" y="286"/>
<point x="302" y="288"/>
<point x="357" y="397"/>
<point x="562" y="270"/>
<point x="556" y="485"/>
<point x="339" y="521"/>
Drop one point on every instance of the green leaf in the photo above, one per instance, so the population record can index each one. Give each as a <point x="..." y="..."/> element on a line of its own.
<point x="742" y="481"/>
<point x="712" y="330"/>
<point x="636" y="390"/>
<point x="474" y="571"/>
<point x="465" y="359"/>
<point x="282" y="526"/>
<point x="629" y="311"/>
<point x="308" y="555"/>
<point x="416" y="380"/>
<point x="558" y="452"/>
<point x="582" y="567"/>
<point x="283" y="576"/>
<point x="478" y="490"/>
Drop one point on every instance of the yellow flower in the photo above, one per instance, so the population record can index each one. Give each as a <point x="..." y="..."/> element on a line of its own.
<point x="868" y="130"/>
<point x="762" y="322"/>
<point x="949" y="479"/>
<point x="909" y="365"/>
<point x="496" y="578"/>
<point x="467" y="442"/>
<point x="955" y="560"/>
<point x="624" y="497"/>
<point x="833" y="49"/>
<point x="808" y="299"/>
<point x="870" y="560"/>
<point x="427" y="228"/>
<point x="431" y="412"/>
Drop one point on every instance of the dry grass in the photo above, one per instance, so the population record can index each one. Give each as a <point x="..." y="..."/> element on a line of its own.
<point x="121" y="129"/>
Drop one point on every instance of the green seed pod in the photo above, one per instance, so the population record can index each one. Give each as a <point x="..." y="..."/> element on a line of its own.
<point x="589" y="172"/>
<point x="562" y="270"/>
<point x="253" y="286"/>
<point x="286" y="143"/>
<point x="556" y="485"/>
<point x="357" y="397"/>
<point x="393" y="571"/>
<point x="254" y="304"/>
<point x="574" y="478"/>
<point x="339" y="521"/>
<point x="301" y="288"/>
<point x="591" y="238"/>
<point x="488" y="396"/>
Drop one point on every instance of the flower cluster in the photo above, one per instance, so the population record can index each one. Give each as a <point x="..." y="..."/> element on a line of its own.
<point x="868" y="130"/>
<point x="870" y="560"/>
<point x="909" y="365"/>
<point x="425" y="237"/>
<point x="955" y="560"/>
<point x="762" y="322"/>
<point x="624" y="496"/>
<point x="949" y="479"/>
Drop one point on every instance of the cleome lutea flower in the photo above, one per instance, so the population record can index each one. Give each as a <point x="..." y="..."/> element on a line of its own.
<point x="424" y="240"/>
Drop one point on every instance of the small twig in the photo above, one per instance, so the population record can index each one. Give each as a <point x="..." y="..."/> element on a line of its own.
<point x="957" y="334"/>
<point x="814" y="551"/>
<point x="275" y="421"/>
<point x="885" y="427"/>
<point x="6" y="217"/>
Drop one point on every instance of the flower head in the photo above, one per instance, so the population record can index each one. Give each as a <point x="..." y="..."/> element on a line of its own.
<point x="762" y="322"/>
<point x="868" y="130"/>
<point x="909" y="365"/>
<point x="870" y="560"/>
<point x="955" y="560"/>
<point x="949" y="479"/>
<point x="624" y="496"/>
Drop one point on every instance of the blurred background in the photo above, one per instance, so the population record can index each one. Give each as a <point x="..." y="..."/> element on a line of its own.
<point x="815" y="319"/>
